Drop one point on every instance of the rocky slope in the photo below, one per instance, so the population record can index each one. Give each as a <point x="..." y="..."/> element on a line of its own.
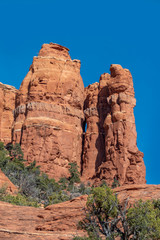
<point x="58" y="221"/>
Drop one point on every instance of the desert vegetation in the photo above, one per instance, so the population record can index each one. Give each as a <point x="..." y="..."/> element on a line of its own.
<point x="35" y="187"/>
<point x="106" y="218"/>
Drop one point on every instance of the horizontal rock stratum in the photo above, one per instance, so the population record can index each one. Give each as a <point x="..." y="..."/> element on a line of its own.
<point x="52" y="108"/>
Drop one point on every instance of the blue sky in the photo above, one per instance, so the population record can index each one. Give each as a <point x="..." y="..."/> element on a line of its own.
<point x="98" y="33"/>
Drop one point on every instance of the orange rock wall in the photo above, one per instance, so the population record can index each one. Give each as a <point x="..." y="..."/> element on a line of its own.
<point x="110" y="147"/>
<point x="49" y="111"/>
<point x="7" y="105"/>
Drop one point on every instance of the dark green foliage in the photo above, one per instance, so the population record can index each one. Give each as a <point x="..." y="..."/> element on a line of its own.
<point x="101" y="207"/>
<point x="106" y="218"/>
<point x="103" y="183"/>
<point x="15" y="152"/>
<point x="16" y="200"/>
<point x="35" y="185"/>
<point x="74" y="173"/>
<point x="31" y="182"/>
<point x="64" y="183"/>
<point x="144" y="220"/>
<point x="115" y="183"/>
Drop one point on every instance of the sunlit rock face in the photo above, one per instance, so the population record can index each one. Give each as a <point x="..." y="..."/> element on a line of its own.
<point x="49" y="111"/>
<point x="7" y="105"/>
<point x="110" y="147"/>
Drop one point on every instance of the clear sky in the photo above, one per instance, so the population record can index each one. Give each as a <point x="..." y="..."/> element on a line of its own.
<point x="98" y="33"/>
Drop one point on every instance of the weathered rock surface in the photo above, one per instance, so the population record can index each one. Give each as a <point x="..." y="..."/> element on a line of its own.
<point x="110" y="148"/>
<point x="7" y="105"/>
<point x="49" y="120"/>
<point x="59" y="221"/>
<point x="136" y="192"/>
<point x="91" y="147"/>
<point x="5" y="182"/>
<point x="49" y="111"/>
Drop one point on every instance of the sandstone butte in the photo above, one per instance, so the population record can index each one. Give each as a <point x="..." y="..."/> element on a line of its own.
<point x="51" y="109"/>
<point x="59" y="221"/>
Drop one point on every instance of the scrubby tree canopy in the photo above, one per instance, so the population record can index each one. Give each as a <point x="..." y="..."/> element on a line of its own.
<point x="107" y="219"/>
<point x="35" y="187"/>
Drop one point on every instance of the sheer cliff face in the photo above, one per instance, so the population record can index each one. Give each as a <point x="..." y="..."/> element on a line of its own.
<point x="49" y="111"/>
<point x="110" y="148"/>
<point x="7" y="105"/>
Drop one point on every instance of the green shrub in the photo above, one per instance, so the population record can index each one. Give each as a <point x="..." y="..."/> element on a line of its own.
<point x="35" y="184"/>
<point x="115" y="183"/>
<point x="16" y="200"/>
<point x="74" y="173"/>
<point x="144" y="220"/>
<point x="106" y="218"/>
<point x="64" y="183"/>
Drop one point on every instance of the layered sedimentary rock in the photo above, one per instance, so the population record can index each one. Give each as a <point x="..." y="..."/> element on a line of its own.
<point x="49" y="119"/>
<point x="7" y="105"/>
<point x="110" y="119"/>
<point x="49" y="111"/>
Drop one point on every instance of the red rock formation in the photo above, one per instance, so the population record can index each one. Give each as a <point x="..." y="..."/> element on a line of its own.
<point x="5" y="182"/>
<point x="110" y="119"/>
<point x="48" y="119"/>
<point x="59" y="221"/>
<point x="90" y="151"/>
<point x="7" y="105"/>
<point x="49" y="111"/>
